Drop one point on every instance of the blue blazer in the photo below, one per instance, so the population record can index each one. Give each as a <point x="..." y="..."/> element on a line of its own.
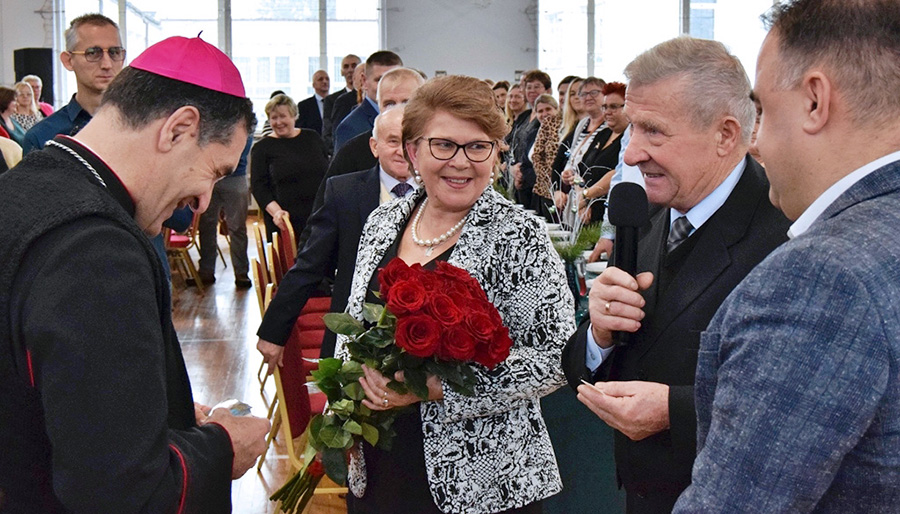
<point x="798" y="380"/>
<point x="360" y="119"/>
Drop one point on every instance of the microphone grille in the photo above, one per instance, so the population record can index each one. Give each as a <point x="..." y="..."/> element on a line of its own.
<point x="628" y="205"/>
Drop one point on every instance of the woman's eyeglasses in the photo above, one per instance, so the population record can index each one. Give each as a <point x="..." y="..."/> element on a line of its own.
<point x="592" y="94"/>
<point x="444" y="149"/>
<point x="95" y="53"/>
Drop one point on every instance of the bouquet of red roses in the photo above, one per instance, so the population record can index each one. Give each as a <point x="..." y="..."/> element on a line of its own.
<point x="434" y="322"/>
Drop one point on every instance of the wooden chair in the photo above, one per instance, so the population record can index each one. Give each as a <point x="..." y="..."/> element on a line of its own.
<point x="178" y="251"/>
<point x="288" y="244"/>
<point x="261" y="251"/>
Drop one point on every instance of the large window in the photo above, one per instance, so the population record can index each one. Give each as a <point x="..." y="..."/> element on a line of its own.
<point x="601" y="37"/>
<point x="276" y="44"/>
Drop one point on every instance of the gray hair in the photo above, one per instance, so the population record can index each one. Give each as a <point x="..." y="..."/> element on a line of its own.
<point x="35" y="78"/>
<point x="717" y="84"/>
<point x="96" y="19"/>
<point x="377" y="122"/>
<point x="859" y="43"/>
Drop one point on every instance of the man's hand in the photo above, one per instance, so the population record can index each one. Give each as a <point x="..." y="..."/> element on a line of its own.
<point x="603" y="245"/>
<point x="248" y="438"/>
<point x="637" y="409"/>
<point x="615" y="303"/>
<point x="272" y="353"/>
<point x="201" y="412"/>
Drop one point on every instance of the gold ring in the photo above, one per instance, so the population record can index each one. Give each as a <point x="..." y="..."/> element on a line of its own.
<point x="607" y="307"/>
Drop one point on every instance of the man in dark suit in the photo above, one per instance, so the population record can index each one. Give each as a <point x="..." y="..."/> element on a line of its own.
<point x="395" y="88"/>
<point x="348" y="66"/>
<point x="690" y="140"/>
<point x="798" y="393"/>
<point x="362" y="118"/>
<point x="332" y="237"/>
<point x="310" y="112"/>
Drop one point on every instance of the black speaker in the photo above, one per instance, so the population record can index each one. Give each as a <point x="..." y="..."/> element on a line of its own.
<point x="36" y="61"/>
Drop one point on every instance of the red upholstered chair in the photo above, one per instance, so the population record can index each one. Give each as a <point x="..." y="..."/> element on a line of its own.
<point x="177" y="249"/>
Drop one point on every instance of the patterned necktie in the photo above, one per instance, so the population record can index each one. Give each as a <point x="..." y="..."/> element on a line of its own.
<point x="680" y="231"/>
<point x="401" y="189"/>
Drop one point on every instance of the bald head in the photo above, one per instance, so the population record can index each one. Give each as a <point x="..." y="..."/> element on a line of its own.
<point x="386" y="143"/>
<point x="321" y="83"/>
<point x="397" y="86"/>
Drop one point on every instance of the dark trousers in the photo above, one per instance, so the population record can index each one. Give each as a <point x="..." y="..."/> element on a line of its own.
<point x="653" y="502"/>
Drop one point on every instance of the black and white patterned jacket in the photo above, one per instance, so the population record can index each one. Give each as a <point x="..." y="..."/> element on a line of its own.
<point x="489" y="452"/>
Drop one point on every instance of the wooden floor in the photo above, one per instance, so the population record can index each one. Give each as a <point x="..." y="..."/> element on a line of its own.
<point x="217" y="332"/>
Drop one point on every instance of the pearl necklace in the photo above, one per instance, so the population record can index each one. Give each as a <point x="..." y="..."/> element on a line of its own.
<point x="429" y="244"/>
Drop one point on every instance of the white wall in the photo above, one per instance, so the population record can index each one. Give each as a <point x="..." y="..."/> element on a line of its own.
<point x="483" y="38"/>
<point x="23" y="24"/>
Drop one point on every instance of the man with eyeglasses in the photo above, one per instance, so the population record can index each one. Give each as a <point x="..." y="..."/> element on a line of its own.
<point x="94" y="52"/>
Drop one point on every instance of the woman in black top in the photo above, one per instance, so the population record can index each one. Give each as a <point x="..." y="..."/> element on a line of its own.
<point x="286" y="167"/>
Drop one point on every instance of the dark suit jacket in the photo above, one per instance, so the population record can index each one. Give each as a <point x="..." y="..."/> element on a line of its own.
<point x="332" y="236"/>
<point x="327" y="112"/>
<point x="308" y="115"/>
<point x="737" y="237"/>
<point x="360" y="120"/>
<point x="343" y="104"/>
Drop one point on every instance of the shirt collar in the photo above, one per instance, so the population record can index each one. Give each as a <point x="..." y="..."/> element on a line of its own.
<point x="700" y="213"/>
<point x="812" y="213"/>
<point x="373" y="104"/>
<point x="389" y="182"/>
<point x="74" y="109"/>
<point x="114" y="186"/>
<point x="319" y="98"/>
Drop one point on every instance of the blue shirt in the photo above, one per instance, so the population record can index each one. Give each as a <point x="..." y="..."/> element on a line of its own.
<point x="66" y="121"/>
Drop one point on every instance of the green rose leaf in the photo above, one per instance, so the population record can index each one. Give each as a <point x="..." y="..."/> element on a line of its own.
<point x="327" y="368"/>
<point x="372" y="312"/>
<point x="351" y="371"/>
<point x="335" y="437"/>
<point x="315" y="428"/>
<point x="353" y="427"/>
<point x="343" y="323"/>
<point x="343" y="407"/>
<point x="354" y="391"/>
<point x="335" y="465"/>
<point x="370" y="434"/>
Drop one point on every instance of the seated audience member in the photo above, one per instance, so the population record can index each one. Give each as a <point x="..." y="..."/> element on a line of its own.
<point x="8" y="124"/>
<point x="715" y="224"/>
<point x="798" y="381"/>
<point x="104" y="419"/>
<point x="27" y="112"/>
<point x="37" y="86"/>
<point x="332" y="237"/>
<point x="362" y="118"/>
<point x="286" y="168"/>
<point x="439" y="460"/>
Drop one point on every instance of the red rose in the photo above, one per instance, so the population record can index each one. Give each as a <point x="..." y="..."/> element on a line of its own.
<point x="405" y="297"/>
<point x="315" y="468"/>
<point x="448" y="270"/>
<point x="396" y="271"/>
<point x="418" y="334"/>
<point x="457" y="344"/>
<point x="442" y="308"/>
<point x="495" y="351"/>
<point x="480" y="326"/>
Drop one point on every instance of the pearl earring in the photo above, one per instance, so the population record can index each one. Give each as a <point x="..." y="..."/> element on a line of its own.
<point x="418" y="177"/>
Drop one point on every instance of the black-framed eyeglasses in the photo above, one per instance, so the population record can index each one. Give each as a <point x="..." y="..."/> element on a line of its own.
<point x="592" y="94"/>
<point x="611" y="107"/>
<point x="95" y="53"/>
<point x="444" y="149"/>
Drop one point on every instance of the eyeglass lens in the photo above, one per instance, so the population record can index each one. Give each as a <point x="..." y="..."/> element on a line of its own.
<point x="95" y="53"/>
<point x="475" y="151"/>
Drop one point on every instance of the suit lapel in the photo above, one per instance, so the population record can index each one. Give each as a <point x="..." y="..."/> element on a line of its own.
<point x="370" y="188"/>
<point x="710" y="255"/>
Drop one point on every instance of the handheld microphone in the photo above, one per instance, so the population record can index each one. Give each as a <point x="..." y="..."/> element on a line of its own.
<point x="628" y="212"/>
